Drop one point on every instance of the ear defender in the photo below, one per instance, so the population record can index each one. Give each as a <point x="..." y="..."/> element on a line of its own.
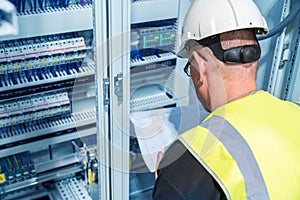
<point x="236" y="55"/>
<point x="244" y="54"/>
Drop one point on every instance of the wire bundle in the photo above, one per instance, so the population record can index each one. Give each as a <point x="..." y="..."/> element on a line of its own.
<point x="17" y="168"/>
<point x="24" y="6"/>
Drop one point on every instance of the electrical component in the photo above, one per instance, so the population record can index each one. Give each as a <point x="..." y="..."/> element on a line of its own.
<point x="10" y="52"/>
<point x="90" y="162"/>
<point x="46" y="73"/>
<point x="153" y="38"/>
<point x="16" y="168"/>
<point x="33" y="108"/>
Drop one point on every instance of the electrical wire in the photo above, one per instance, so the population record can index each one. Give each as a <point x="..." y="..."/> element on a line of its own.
<point x="9" y="163"/>
<point x="82" y="3"/>
<point x="75" y="145"/>
<point x="16" y="166"/>
<point x="22" y="159"/>
<point x="41" y="4"/>
<point x="18" y="4"/>
<point x="23" y="6"/>
<point x="292" y="15"/>
<point x="67" y="3"/>
<point x="29" y="157"/>
<point x="5" y="164"/>
<point x="34" y="4"/>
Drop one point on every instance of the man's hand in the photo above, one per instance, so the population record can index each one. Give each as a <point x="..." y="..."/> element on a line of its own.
<point x="159" y="157"/>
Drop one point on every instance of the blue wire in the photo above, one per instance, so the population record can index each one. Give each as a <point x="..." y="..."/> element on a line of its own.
<point x="27" y="75"/>
<point x="18" y="4"/>
<point x="29" y="157"/>
<point x="82" y="3"/>
<point x="76" y="67"/>
<point x="14" y="162"/>
<point x="23" y="5"/>
<point x="45" y="71"/>
<point x="68" y="68"/>
<point x="22" y="159"/>
<point x="60" y="3"/>
<point x="1" y="77"/>
<point x="18" y="129"/>
<point x="34" y="4"/>
<point x="40" y="73"/>
<point x="12" y="77"/>
<point x="52" y="70"/>
<point x="19" y="75"/>
<point x="294" y="12"/>
<point x="41" y="4"/>
<point x="30" y="6"/>
<point x="67" y="3"/>
<point x="5" y="164"/>
<point x="54" y="3"/>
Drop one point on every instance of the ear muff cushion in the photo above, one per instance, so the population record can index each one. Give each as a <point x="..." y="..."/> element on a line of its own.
<point x="244" y="54"/>
<point x="249" y="53"/>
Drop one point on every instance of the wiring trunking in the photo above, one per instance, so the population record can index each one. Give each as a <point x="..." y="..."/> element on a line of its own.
<point x="47" y="107"/>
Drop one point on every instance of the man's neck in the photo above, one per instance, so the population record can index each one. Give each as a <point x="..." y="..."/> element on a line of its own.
<point x="232" y="93"/>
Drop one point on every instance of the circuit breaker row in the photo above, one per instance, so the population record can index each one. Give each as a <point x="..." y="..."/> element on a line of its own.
<point x="37" y="6"/>
<point x="34" y="107"/>
<point x="46" y="74"/>
<point x="40" y="127"/>
<point x="13" y="51"/>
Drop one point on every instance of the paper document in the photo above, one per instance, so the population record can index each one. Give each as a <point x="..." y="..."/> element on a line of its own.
<point x="156" y="129"/>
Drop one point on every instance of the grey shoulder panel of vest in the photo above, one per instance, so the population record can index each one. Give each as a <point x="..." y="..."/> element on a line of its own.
<point x="239" y="149"/>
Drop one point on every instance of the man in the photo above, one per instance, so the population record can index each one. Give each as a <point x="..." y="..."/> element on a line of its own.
<point x="249" y="146"/>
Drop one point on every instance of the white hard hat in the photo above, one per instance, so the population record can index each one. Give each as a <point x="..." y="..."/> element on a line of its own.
<point x="206" y="18"/>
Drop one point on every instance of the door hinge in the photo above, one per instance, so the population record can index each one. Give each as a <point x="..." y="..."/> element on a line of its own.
<point x="118" y="83"/>
<point x="106" y="91"/>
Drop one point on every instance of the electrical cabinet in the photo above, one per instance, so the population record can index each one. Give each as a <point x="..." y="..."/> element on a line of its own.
<point x="77" y="70"/>
<point x="47" y="103"/>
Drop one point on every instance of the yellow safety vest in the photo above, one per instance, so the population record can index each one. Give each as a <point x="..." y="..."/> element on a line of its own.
<point x="251" y="147"/>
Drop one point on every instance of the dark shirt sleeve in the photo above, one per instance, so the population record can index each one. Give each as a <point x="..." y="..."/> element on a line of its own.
<point x="181" y="176"/>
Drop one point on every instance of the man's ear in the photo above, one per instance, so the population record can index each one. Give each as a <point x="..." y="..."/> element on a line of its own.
<point x="201" y="65"/>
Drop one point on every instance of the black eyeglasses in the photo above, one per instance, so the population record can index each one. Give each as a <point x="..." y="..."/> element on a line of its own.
<point x="186" y="69"/>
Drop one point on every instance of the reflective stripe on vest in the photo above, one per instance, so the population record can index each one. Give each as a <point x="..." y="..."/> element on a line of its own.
<point x="241" y="153"/>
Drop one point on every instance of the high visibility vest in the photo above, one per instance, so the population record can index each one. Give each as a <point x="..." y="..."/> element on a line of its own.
<point x="251" y="147"/>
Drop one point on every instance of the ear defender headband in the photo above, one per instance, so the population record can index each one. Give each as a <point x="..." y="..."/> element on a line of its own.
<point x="235" y="55"/>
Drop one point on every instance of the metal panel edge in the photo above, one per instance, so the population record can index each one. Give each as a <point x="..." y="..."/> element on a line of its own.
<point x="100" y="48"/>
<point x="53" y="23"/>
<point x="143" y="11"/>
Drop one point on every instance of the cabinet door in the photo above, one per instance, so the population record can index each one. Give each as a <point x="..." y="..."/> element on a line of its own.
<point x="119" y="43"/>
